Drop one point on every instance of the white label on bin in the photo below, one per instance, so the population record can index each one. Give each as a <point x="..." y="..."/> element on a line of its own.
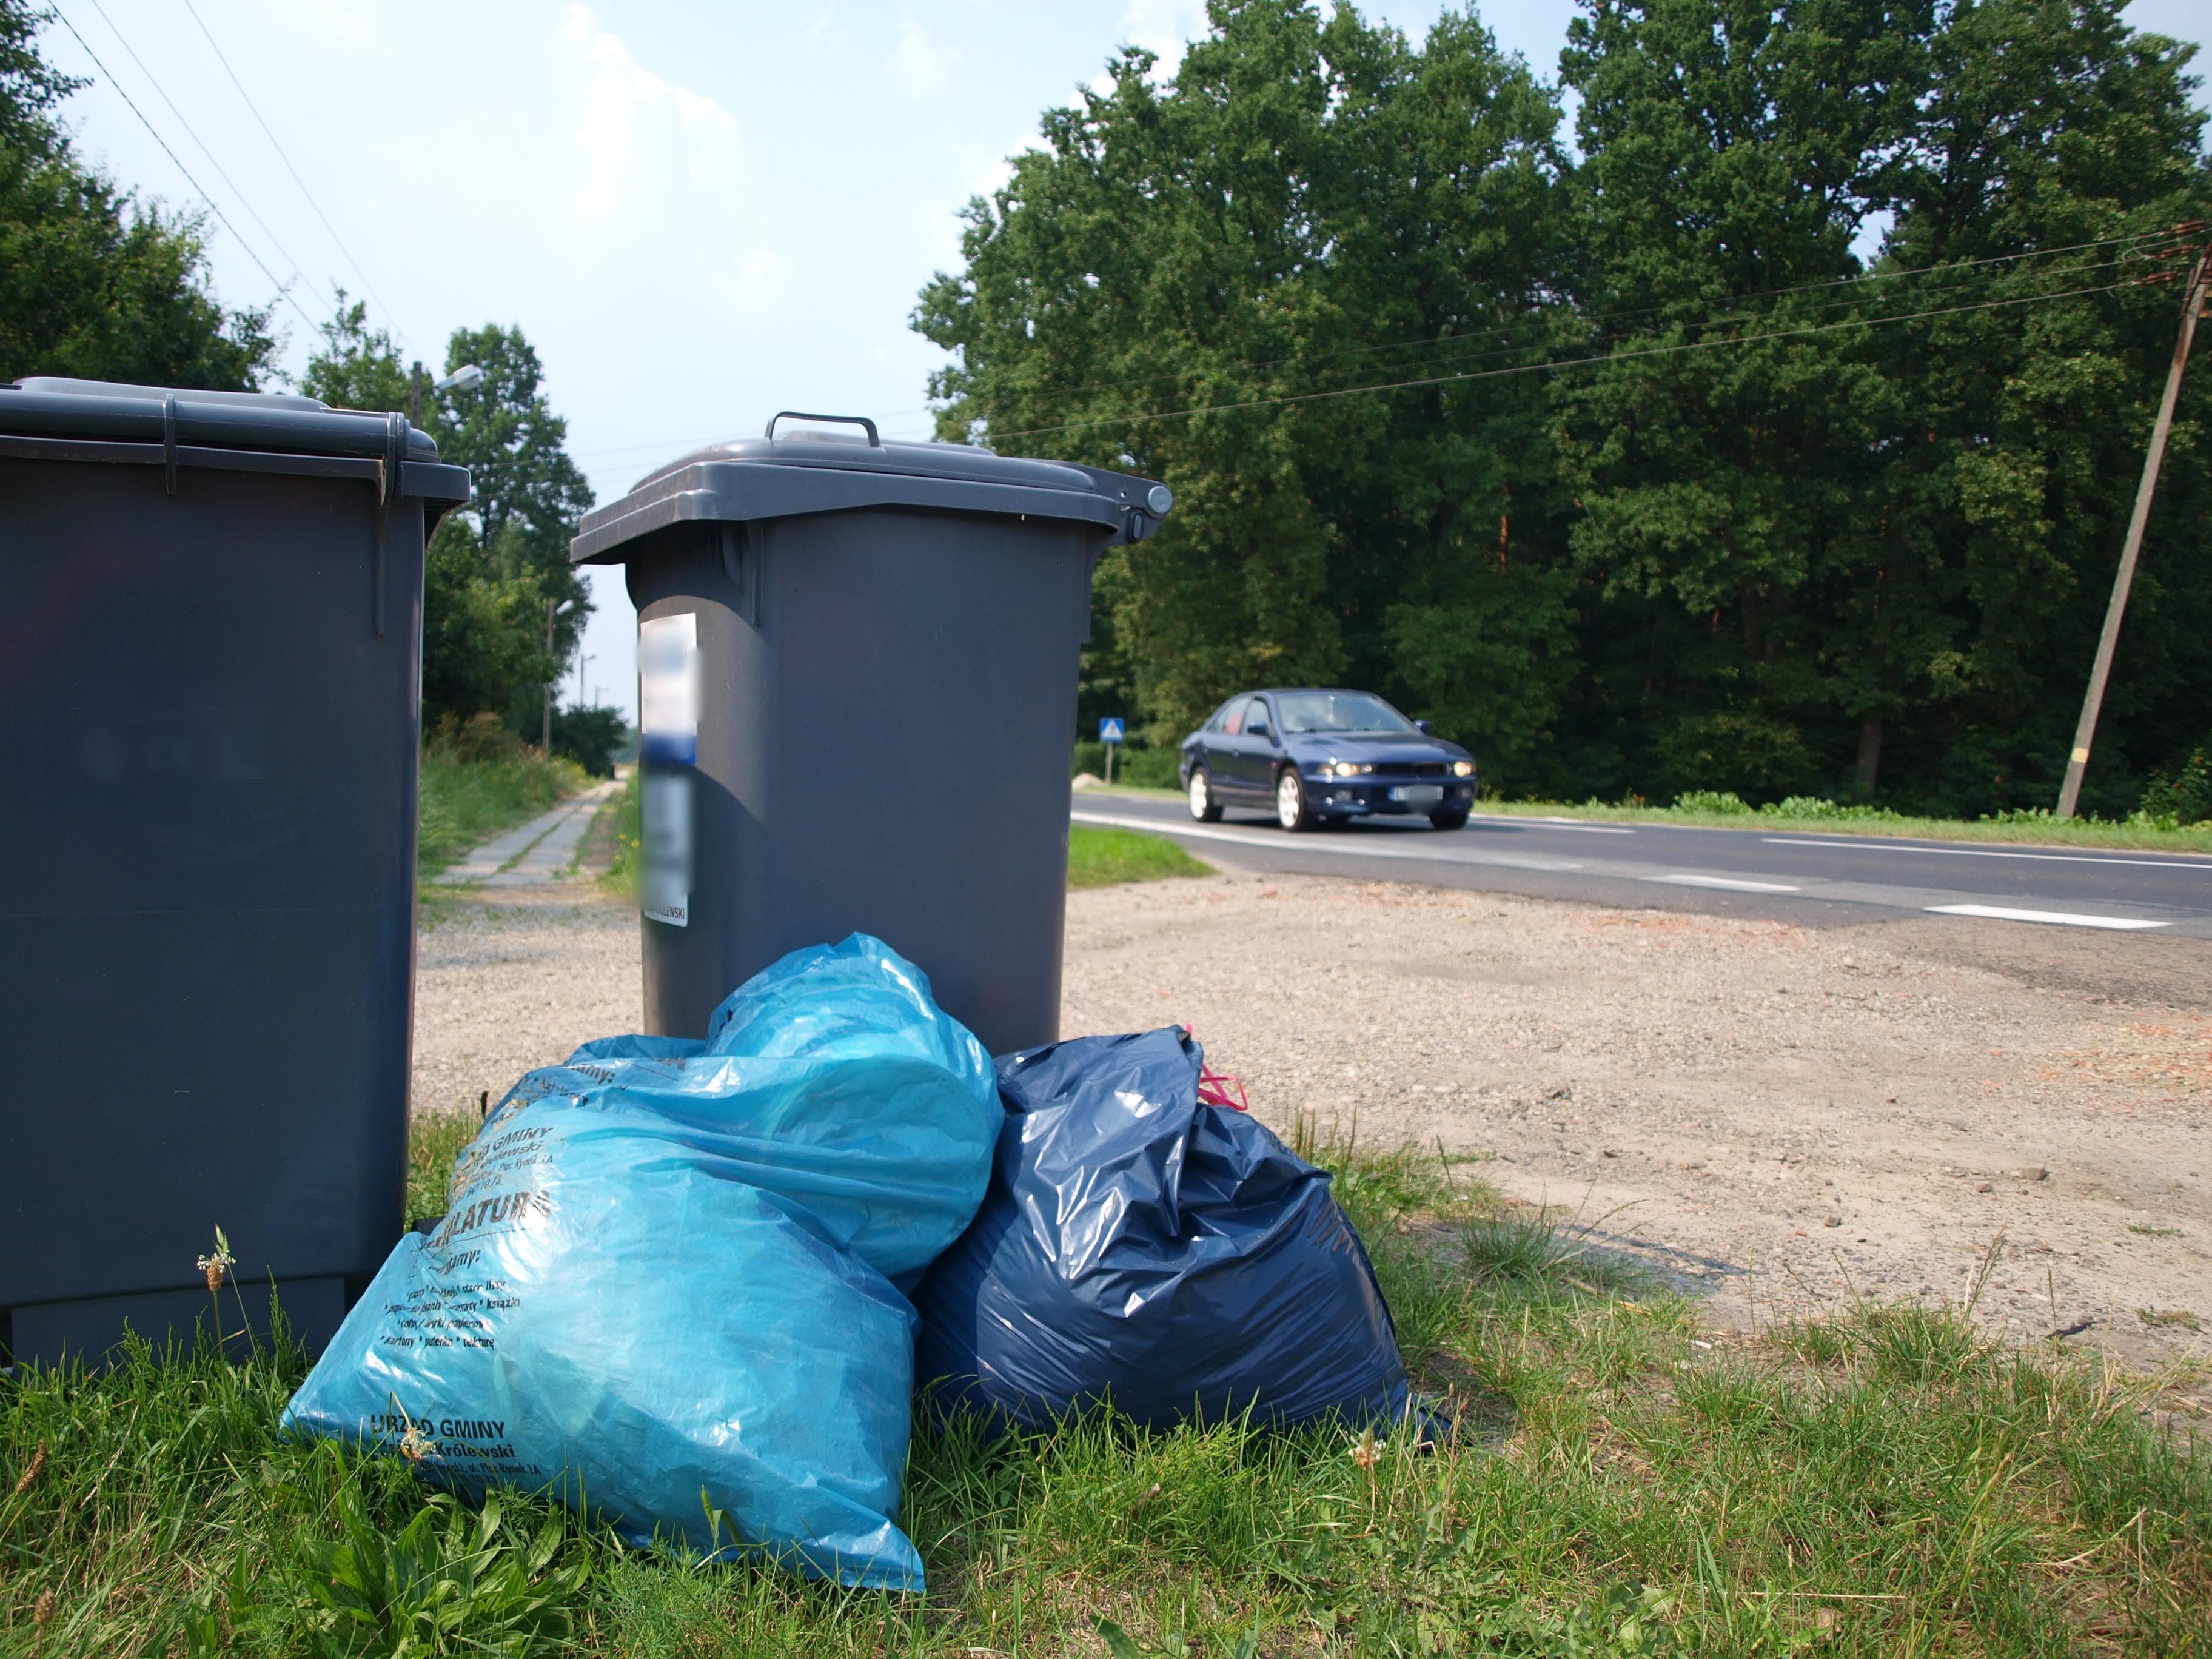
<point x="665" y="892"/>
<point x="668" y="688"/>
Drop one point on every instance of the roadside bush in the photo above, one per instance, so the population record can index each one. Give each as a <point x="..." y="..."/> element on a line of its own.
<point x="1711" y="800"/>
<point x="591" y="738"/>
<point x="1147" y="769"/>
<point x="2184" y="797"/>
<point x="1140" y="768"/>
<point x="1817" y="808"/>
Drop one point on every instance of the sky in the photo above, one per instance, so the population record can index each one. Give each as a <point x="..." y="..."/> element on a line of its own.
<point x="699" y="213"/>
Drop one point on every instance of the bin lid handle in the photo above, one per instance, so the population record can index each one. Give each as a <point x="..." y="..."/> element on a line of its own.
<point x="874" y="443"/>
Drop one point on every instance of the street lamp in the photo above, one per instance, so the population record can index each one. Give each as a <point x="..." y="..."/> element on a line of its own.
<point x="545" y="729"/>
<point x="467" y="378"/>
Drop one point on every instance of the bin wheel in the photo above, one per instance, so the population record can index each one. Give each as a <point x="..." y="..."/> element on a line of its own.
<point x="1455" y="819"/>
<point x="1291" y="811"/>
<point x="1203" y="806"/>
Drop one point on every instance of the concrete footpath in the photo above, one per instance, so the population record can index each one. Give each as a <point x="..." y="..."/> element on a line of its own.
<point x="539" y="851"/>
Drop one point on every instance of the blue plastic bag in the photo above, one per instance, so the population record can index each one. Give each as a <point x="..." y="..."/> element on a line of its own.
<point x="664" y="1286"/>
<point x="1141" y="1247"/>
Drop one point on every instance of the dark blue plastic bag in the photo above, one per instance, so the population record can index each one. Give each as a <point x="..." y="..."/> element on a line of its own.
<point x="1139" y="1246"/>
<point x="663" y="1285"/>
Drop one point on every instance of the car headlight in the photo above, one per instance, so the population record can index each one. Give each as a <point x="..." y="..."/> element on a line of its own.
<point x="1462" y="768"/>
<point x="1344" y="769"/>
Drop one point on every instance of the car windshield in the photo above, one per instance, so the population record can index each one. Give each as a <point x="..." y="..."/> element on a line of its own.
<point x="1338" y="711"/>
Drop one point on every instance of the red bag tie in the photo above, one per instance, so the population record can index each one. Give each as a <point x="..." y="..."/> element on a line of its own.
<point x="1213" y="1086"/>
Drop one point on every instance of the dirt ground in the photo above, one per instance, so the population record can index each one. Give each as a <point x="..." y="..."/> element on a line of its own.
<point x="1774" y="1117"/>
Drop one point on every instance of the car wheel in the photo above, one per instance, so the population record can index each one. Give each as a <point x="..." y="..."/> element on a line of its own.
<point x="1454" y="820"/>
<point x="1203" y="806"/>
<point x="1290" y="809"/>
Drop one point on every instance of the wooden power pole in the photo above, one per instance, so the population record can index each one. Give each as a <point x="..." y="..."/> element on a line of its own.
<point x="2192" y="302"/>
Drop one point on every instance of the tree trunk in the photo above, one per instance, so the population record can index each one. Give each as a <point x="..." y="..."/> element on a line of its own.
<point x="1869" y="766"/>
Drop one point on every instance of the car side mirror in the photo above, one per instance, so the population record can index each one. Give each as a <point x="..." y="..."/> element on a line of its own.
<point x="1422" y="726"/>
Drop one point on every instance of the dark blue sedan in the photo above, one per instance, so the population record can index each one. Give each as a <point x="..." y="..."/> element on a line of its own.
<point x="1319" y="756"/>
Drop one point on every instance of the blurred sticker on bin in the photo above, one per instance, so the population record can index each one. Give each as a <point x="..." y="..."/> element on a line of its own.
<point x="665" y="893"/>
<point x="668" y="688"/>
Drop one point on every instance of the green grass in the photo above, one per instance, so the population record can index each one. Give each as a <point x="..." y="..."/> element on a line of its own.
<point x="1618" y="1481"/>
<point x="468" y="799"/>
<point x="1802" y="816"/>
<point x="1099" y="857"/>
<point x="621" y="880"/>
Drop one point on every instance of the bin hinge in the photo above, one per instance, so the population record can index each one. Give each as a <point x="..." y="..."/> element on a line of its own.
<point x="169" y="440"/>
<point x="387" y="486"/>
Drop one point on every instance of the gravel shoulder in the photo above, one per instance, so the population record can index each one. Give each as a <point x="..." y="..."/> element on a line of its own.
<point x="1777" y="1118"/>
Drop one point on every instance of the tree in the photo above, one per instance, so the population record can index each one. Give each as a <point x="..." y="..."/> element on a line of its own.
<point x="1310" y="204"/>
<point x="2011" y="476"/>
<point x="1732" y="152"/>
<point x="491" y="571"/>
<point x="1781" y="442"/>
<point x="92" y="284"/>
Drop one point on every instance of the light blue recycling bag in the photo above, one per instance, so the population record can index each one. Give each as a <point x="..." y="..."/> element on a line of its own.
<point x="664" y="1286"/>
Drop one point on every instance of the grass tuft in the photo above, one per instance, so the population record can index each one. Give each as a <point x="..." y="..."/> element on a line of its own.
<point x="1100" y="857"/>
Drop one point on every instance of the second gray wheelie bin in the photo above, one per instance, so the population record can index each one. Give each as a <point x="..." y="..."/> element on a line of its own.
<point x="857" y="664"/>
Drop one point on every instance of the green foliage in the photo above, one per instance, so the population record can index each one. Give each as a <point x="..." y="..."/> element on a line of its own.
<point x="1137" y="765"/>
<point x="1724" y="801"/>
<point x="2185" y="797"/>
<point x="92" y="284"/>
<point x="1309" y="199"/>
<point x="590" y="737"/>
<point x="1858" y="550"/>
<point x="493" y="571"/>
<point x="621" y="879"/>
<point x="1101" y="857"/>
<point x="435" y="1140"/>
<point x="458" y="1588"/>
<point x="478" y="779"/>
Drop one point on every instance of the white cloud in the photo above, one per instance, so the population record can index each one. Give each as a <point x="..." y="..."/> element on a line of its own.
<point x="1163" y="27"/>
<point x="918" y="64"/>
<point x="640" y="139"/>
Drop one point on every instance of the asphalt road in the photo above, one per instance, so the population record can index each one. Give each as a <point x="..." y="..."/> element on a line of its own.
<point x="1801" y="877"/>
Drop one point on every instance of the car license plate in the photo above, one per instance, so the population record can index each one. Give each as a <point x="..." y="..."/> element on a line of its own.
<point x="1418" y="794"/>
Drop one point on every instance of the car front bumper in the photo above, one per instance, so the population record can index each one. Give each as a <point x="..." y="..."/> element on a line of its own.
<point x="1363" y="799"/>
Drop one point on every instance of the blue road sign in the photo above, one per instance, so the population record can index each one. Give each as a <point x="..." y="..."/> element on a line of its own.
<point x="1109" y="731"/>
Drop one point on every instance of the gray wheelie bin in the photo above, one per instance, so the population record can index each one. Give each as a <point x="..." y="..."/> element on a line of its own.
<point x="209" y="691"/>
<point x="857" y="668"/>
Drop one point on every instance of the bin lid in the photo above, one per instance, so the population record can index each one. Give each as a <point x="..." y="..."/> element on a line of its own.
<point x="772" y="477"/>
<point x="51" y="417"/>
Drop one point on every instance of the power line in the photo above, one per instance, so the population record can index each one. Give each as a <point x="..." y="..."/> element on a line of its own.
<point x="1605" y="318"/>
<point x="1442" y="356"/>
<point x="1567" y="363"/>
<point x="243" y="201"/>
<point x="390" y="316"/>
<point x="283" y="290"/>
<point x="608" y="453"/>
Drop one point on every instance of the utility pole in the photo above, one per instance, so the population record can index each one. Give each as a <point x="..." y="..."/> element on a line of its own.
<point x="2192" y="302"/>
<point x="545" y="726"/>
<point x="414" y="394"/>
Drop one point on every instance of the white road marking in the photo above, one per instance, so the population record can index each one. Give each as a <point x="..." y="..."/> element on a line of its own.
<point x="2058" y="918"/>
<point x="1553" y="823"/>
<point x="1872" y="846"/>
<point x="1730" y="883"/>
<point x="1446" y="853"/>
